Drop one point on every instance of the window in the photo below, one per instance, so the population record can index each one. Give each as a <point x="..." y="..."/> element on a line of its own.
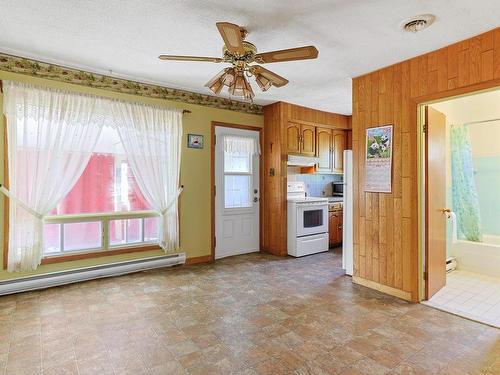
<point x="67" y="150"/>
<point x="237" y="179"/>
<point x="105" y="209"/>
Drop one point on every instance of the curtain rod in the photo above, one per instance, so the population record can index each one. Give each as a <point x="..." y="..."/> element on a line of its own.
<point x="1" y="91"/>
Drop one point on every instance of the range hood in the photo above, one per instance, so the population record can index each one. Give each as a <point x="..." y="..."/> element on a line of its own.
<point x="302" y="161"/>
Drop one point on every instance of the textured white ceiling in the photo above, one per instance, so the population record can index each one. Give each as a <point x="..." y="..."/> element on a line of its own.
<point x="125" y="37"/>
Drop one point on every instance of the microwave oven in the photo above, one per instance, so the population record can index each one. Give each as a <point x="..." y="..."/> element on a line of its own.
<point x="338" y="188"/>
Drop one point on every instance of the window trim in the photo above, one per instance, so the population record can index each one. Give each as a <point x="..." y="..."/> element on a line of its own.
<point x="106" y="249"/>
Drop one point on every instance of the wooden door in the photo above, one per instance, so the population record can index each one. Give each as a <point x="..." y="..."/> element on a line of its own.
<point x="339" y="145"/>
<point x="308" y="140"/>
<point x="293" y="138"/>
<point x="324" y="149"/>
<point x="435" y="198"/>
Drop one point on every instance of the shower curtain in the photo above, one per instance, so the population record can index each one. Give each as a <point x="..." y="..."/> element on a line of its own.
<point x="464" y="192"/>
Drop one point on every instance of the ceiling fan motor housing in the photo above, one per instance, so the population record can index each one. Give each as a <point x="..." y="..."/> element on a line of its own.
<point x="240" y="60"/>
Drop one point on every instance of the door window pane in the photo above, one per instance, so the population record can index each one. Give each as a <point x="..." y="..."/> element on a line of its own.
<point x="313" y="218"/>
<point x="52" y="239"/>
<point x="237" y="163"/>
<point x="82" y="236"/>
<point x="236" y="191"/>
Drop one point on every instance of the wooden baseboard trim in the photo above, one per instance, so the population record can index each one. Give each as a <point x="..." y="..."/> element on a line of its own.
<point x="198" y="260"/>
<point x="382" y="288"/>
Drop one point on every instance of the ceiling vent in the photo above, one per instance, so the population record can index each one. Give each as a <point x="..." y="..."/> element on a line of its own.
<point x="418" y="23"/>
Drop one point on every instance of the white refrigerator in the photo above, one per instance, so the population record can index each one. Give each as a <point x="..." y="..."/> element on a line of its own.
<point x="347" y="241"/>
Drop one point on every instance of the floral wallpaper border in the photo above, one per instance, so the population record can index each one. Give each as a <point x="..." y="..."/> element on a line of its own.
<point x="15" y="64"/>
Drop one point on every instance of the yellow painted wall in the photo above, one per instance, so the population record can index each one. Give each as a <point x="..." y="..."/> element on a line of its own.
<point x="195" y="173"/>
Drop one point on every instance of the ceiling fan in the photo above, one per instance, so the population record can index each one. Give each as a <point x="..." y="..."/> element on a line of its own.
<point x="242" y="56"/>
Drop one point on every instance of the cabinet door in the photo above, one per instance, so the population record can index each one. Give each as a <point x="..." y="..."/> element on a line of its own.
<point x="293" y="138"/>
<point x="308" y="138"/>
<point x="340" y="235"/>
<point x="339" y="145"/>
<point x="333" y="224"/>
<point x="324" y="149"/>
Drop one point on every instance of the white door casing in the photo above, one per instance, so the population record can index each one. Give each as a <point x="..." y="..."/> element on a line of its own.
<point x="236" y="196"/>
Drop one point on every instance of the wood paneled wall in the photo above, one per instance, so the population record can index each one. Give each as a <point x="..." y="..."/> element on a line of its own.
<point x="273" y="224"/>
<point x="315" y="117"/>
<point x="273" y="195"/>
<point x="386" y="225"/>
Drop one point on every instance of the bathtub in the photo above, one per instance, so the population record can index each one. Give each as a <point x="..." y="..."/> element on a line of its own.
<point x="480" y="257"/>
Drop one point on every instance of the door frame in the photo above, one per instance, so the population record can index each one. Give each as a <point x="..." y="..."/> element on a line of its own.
<point x="417" y="106"/>
<point x="212" y="178"/>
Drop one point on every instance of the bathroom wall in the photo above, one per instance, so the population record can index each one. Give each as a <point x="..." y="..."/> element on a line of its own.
<point x="317" y="185"/>
<point x="485" y="151"/>
<point x="485" y="140"/>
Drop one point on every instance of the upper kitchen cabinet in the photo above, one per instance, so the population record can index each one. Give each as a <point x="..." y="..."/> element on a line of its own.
<point x="301" y="139"/>
<point x="330" y="145"/>
<point x="308" y="140"/>
<point x="339" y="145"/>
<point x="293" y="138"/>
<point x="324" y="142"/>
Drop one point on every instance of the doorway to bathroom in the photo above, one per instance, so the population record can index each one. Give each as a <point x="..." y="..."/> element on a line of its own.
<point x="461" y="175"/>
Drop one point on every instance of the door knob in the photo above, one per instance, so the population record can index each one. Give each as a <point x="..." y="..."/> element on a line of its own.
<point x="255" y="199"/>
<point x="446" y="210"/>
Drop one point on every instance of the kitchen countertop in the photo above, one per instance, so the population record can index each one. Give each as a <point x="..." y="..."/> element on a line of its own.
<point x="335" y="199"/>
<point x="330" y="199"/>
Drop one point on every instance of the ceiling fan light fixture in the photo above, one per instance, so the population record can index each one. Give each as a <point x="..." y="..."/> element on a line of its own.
<point x="229" y="77"/>
<point x="264" y="83"/>
<point x="217" y="82"/>
<point x="241" y="87"/>
<point x="216" y="87"/>
<point x="248" y="92"/>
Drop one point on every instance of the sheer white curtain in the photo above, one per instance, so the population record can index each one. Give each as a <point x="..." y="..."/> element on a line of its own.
<point x="152" y="137"/>
<point x="234" y="144"/>
<point x="51" y="135"/>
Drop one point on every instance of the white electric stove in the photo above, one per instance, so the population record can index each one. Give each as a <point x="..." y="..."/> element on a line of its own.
<point x="307" y="221"/>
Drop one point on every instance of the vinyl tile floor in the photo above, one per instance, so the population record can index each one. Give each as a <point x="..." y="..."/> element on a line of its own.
<point x="249" y="314"/>
<point x="471" y="295"/>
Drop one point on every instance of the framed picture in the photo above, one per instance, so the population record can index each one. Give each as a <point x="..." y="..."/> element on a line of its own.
<point x="195" y="141"/>
<point x="378" y="162"/>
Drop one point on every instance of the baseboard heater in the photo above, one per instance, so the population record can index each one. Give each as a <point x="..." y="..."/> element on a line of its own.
<point x="48" y="280"/>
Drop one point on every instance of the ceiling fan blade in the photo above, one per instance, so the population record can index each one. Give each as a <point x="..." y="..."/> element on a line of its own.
<point x="300" y="53"/>
<point x="231" y="34"/>
<point x="190" y="58"/>
<point x="276" y="79"/>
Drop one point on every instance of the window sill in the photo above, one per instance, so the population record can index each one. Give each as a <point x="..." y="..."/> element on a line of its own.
<point x="97" y="254"/>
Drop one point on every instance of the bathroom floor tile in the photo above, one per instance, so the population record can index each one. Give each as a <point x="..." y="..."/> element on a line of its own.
<point x="470" y="295"/>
